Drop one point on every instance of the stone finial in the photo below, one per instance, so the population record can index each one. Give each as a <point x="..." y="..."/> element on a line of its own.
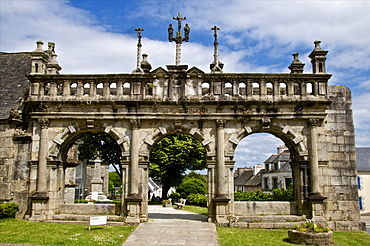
<point x="145" y="65"/>
<point x="317" y="45"/>
<point x="297" y="65"/>
<point x="318" y="58"/>
<point x="39" y="47"/>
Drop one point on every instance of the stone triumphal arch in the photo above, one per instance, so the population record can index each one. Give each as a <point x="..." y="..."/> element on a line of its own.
<point x="137" y="109"/>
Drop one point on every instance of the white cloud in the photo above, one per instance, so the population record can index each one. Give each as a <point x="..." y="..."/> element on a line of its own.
<point x="255" y="36"/>
<point x="255" y="149"/>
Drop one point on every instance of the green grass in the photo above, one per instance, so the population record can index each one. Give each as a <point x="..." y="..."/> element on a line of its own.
<point x="196" y="209"/>
<point x="25" y="232"/>
<point x="241" y="236"/>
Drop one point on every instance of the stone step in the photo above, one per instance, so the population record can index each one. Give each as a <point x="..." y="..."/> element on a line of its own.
<point x="272" y="218"/>
<point x="84" y="217"/>
<point x="266" y="225"/>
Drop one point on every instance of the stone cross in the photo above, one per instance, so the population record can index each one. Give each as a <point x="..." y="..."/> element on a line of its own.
<point x="216" y="66"/>
<point x="178" y="39"/>
<point x="215" y="29"/>
<point x="138" y="57"/>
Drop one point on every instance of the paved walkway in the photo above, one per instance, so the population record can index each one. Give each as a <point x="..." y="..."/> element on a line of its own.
<point x="169" y="226"/>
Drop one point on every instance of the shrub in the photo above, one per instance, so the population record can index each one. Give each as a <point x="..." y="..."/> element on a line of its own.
<point x="81" y="201"/>
<point x="197" y="199"/>
<point x="282" y="194"/>
<point x="276" y="195"/>
<point x="8" y="210"/>
<point x="257" y="195"/>
<point x="192" y="186"/>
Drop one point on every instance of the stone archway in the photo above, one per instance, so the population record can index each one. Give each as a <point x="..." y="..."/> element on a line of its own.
<point x="315" y="124"/>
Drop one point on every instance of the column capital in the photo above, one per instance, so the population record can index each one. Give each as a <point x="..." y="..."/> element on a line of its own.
<point x="313" y="122"/>
<point x="220" y="123"/>
<point x="44" y="123"/>
<point x="135" y="123"/>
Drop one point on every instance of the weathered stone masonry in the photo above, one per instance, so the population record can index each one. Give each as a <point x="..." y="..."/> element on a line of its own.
<point x="219" y="109"/>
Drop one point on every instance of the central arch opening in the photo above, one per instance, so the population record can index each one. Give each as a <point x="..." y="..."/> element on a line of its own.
<point x="175" y="163"/>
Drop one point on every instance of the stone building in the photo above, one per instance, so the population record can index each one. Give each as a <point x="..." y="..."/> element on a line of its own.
<point x="43" y="113"/>
<point x="278" y="173"/>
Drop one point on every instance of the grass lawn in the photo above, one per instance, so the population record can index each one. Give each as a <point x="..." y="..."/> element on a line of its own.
<point x="25" y="232"/>
<point x="240" y="236"/>
<point x="196" y="209"/>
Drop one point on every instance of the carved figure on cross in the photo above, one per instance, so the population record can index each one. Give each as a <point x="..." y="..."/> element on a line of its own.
<point x="215" y="29"/>
<point x="178" y="39"/>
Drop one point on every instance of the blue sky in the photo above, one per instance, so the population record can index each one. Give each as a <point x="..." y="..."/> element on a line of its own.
<point x="255" y="36"/>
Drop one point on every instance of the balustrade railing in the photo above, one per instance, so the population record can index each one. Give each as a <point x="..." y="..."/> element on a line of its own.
<point x="77" y="88"/>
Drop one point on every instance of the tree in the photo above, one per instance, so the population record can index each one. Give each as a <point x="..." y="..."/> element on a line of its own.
<point x="114" y="180"/>
<point x="172" y="156"/>
<point x="94" y="145"/>
<point x="192" y="186"/>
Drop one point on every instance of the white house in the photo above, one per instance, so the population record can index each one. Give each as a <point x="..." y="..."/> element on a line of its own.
<point x="363" y="178"/>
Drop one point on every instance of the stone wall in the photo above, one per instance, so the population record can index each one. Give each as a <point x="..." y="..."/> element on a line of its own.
<point x="337" y="153"/>
<point x="265" y="208"/>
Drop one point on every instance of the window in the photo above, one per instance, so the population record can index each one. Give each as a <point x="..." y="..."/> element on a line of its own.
<point x="276" y="166"/>
<point x="360" y="203"/>
<point x="358" y="182"/>
<point x="267" y="167"/>
<point x="275" y="183"/>
<point x="288" y="181"/>
<point x="266" y="183"/>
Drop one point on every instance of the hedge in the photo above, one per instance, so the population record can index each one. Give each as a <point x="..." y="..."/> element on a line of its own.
<point x="8" y="210"/>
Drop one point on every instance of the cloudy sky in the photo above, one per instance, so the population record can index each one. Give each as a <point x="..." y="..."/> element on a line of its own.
<point x="255" y="36"/>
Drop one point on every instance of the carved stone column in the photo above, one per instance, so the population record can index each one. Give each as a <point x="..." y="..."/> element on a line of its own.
<point x="134" y="158"/>
<point x="221" y="201"/>
<point x="314" y="161"/>
<point x="220" y="159"/>
<point x="315" y="198"/>
<point x="133" y="200"/>
<point x="43" y="152"/>
<point x="40" y="197"/>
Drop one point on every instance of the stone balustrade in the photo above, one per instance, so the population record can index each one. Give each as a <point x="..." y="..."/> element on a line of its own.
<point x="149" y="87"/>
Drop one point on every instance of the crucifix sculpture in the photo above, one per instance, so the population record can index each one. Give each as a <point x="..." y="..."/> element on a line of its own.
<point x="178" y="39"/>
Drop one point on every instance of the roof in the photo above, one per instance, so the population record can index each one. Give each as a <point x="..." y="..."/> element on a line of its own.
<point x="363" y="158"/>
<point x="242" y="178"/>
<point x="255" y="180"/>
<point x="14" y="67"/>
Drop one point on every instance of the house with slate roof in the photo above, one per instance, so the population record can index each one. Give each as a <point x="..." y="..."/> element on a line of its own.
<point x="363" y="178"/>
<point x="278" y="172"/>
<point x="248" y="179"/>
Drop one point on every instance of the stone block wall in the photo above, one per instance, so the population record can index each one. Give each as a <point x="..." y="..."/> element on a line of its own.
<point x="337" y="147"/>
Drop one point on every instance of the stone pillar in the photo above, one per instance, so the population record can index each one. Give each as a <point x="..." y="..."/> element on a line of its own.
<point x="43" y="152"/>
<point x="315" y="198"/>
<point x="221" y="201"/>
<point x="133" y="201"/>
<point x="220" y="159"/>
<point x="134" y="158"/>
<point x="40" y="197"/>
<point x="314" y="161"/>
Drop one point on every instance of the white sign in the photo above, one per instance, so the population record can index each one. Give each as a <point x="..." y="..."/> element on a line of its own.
<point x="99" y="220"/>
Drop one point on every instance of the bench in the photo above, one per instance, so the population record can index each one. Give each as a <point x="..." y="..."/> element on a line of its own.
<point x="180" y="204"/>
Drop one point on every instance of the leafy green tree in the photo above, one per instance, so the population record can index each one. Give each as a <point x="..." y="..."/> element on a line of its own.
<point x="114" y="180"/>
<point x="192" y="186"/>
<point x="94" y="145"/>
<point x="172" y="156"/>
